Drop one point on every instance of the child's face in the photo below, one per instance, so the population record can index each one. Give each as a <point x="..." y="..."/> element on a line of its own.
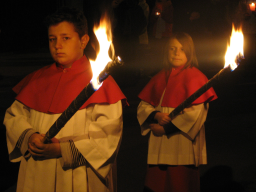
<point x="176" y="54"/>
<point x="65" y="44"/>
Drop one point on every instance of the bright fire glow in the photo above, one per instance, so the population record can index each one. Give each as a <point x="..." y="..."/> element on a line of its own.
<point x="104" y="36"/>
<point x="235" y="49"/>
<point x="252" y="6"/>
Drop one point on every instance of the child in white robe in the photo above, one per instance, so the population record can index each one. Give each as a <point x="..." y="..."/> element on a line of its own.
<point x="176" y="146"/>
<point x="82" y="155"/>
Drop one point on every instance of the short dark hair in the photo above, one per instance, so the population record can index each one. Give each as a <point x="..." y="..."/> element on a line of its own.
<point x="188" y="45"/>
<point x="71" y="15"/>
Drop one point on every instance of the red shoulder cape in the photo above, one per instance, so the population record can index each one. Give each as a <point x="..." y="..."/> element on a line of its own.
<point x="51" y="89"/>
<point x="179" y="86"/>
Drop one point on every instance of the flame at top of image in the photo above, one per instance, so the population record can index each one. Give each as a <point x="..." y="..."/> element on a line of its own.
<point x="104" y="36"/>
<point x="234" y="49"/>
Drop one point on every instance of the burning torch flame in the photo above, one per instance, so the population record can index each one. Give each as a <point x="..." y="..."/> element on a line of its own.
<point x="104" y="36"/>
<point x="235" y="50"/>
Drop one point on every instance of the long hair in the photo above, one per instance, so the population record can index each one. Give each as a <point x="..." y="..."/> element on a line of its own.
<point x="188" y="46"/>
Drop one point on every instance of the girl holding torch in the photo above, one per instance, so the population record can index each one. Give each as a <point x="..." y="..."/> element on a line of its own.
<point x="82" y="155"/>
<point x="176" y="146"/>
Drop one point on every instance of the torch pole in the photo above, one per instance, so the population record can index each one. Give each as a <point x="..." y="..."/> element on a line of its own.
<point x="199" y="92"/>
<point x="69" y="112"/>
<point x="84" y="95"/>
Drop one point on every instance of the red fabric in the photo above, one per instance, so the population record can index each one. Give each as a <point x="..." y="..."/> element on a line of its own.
<point x="52" y="88"/>
<point x="173" y="178"/>
<point x="180" y="85"/>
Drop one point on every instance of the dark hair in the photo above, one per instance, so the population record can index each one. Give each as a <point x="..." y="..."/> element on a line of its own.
<point x="188" y="46"/>
<point x="71" y="15"/>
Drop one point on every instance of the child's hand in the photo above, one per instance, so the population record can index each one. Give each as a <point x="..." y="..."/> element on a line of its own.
<point x="162" y="118"/>
<point x="157" y="129"/>
<point x="42" y="151"/>
<point x="53" y="140"/>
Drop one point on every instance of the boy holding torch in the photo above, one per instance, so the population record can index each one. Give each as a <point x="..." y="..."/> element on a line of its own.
<point x="82" y="155"/>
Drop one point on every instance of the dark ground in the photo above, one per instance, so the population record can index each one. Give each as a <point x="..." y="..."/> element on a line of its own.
<point x="230" y="126"/>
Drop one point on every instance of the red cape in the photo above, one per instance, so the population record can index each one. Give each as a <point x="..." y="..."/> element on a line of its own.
<point x="179" y="86"/>
<point x="52" y="88"/>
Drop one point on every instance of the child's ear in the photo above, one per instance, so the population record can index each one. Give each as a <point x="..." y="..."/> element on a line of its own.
<point x="84" y="41"/>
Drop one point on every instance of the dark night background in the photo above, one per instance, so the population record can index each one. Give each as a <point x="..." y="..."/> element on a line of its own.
<point x="231" y="122"/>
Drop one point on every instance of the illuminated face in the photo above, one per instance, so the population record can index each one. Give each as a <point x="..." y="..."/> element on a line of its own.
<point x="65" y="44"/>
<point x="176" y="54"/>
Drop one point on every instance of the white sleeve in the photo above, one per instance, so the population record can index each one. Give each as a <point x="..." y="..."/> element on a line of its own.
<point x="18" y="129"/>
<point x="105" y="125"/>
<point x="191" y="120"/>
<point x="143" y="111"/>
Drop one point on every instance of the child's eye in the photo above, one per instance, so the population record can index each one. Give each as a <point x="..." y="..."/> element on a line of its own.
<point x="52" y="39"/>
<point x="66" y="38"/>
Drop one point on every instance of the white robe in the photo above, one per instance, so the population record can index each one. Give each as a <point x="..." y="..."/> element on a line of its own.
<point x="96" y="132"/>
<point x="187" y="147"/>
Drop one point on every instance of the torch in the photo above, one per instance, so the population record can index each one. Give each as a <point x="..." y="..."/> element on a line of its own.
<point x="100" y="68"/>
<point x="233" y="56"/>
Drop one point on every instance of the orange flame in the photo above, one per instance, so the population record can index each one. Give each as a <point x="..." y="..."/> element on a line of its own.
<point x="252" y="6"/>
<point x="104" y="36"/>
<point x="235" y="49"/>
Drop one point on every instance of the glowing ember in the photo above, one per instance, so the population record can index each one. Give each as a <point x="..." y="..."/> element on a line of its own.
<point x="235" y="50"/>
<point x="104" y="36"/>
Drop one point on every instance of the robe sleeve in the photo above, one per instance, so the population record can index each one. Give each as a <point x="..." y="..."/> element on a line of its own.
<point x="105" y="122"/>
<point x="18" y="130"/>
<point x="71" y="157"/>
<point x="143" y="111"/>
<point x="191" y="120"/>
